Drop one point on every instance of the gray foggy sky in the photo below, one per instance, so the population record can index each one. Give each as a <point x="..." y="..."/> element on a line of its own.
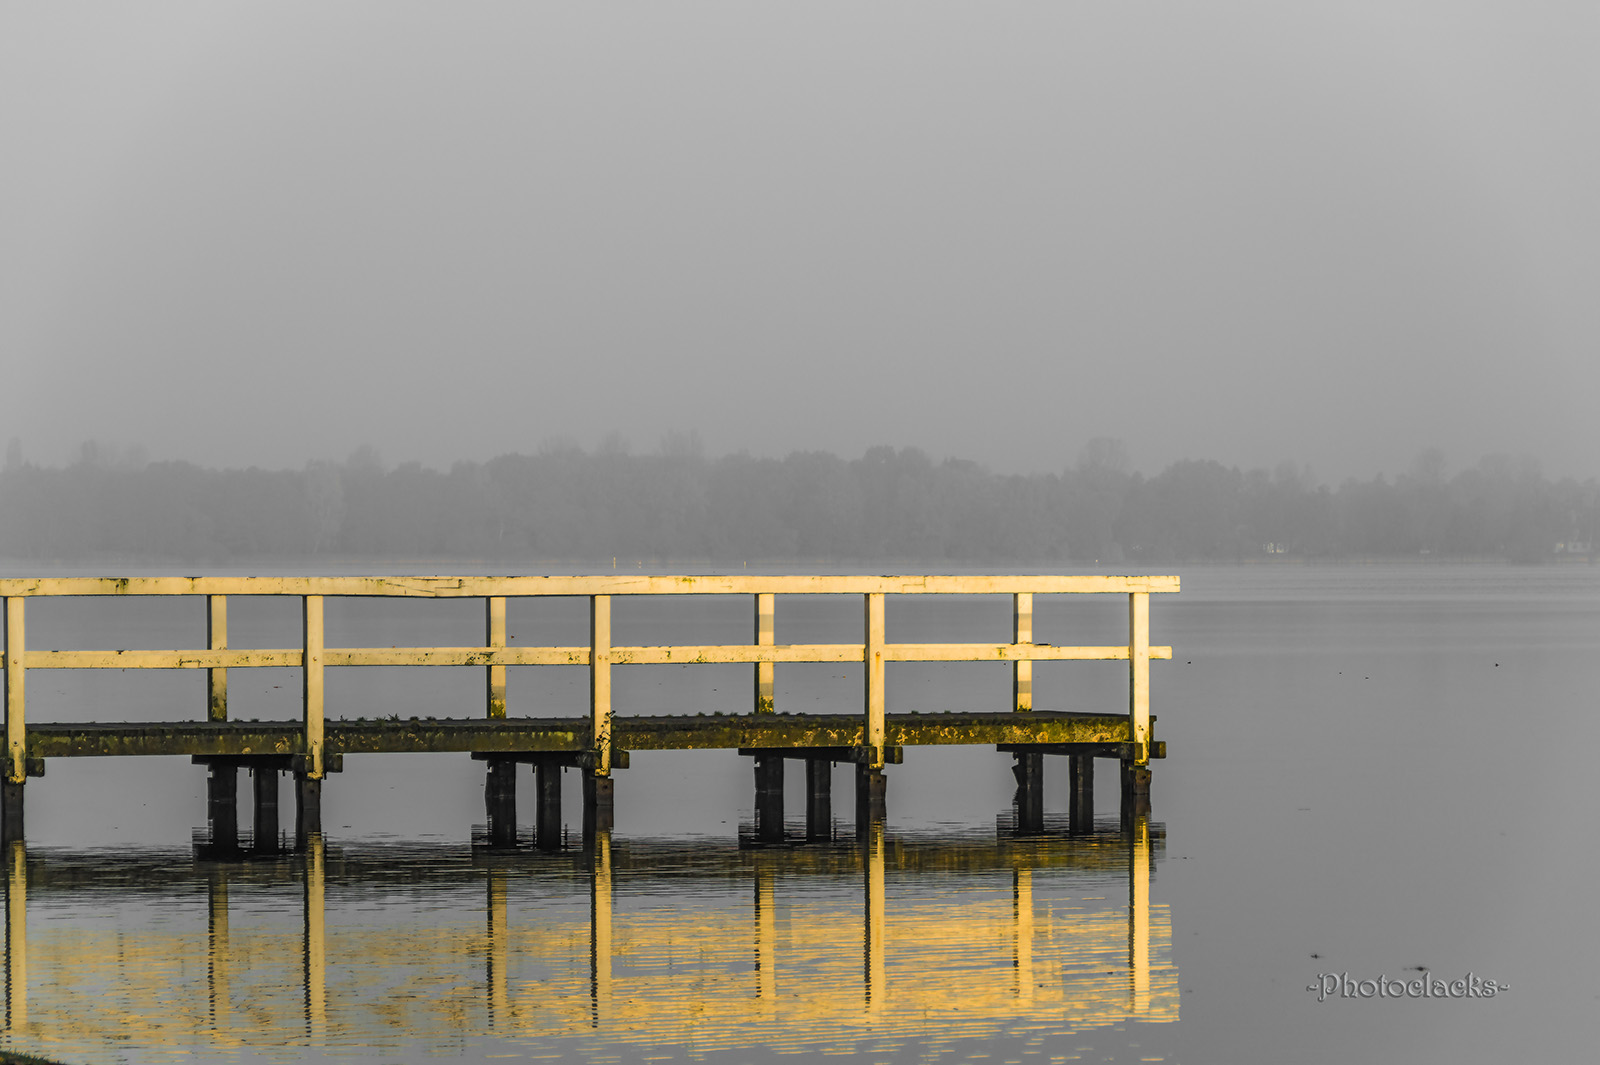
<point x="1335" y="234"/>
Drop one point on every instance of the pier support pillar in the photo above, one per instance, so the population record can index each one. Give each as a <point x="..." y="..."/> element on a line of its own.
<point x="266" y="808"/>
<point x="1028" y="768"/>
<point x="547" y="814"/>
<point x="598" y="806"/>
<point x="819" y="799"/>
<point x="222" y="806"/>
<point x="11" y="812"/>
<point x="1080" y="770"/>
<point x="769" y="797"/>
<point x="871" y="790"/>
<point x="307" y="809"/>
<point x="500" y="801"/>
<point x="1135" y="789"/>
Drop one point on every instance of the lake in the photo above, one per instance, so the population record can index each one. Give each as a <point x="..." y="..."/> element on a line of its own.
<point x="1376" y="774"/>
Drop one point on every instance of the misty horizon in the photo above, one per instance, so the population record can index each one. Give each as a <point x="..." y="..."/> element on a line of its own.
<point x="1335" y="236"/>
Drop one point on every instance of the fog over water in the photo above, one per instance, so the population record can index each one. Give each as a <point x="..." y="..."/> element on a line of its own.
<point x="1329" y="234"/>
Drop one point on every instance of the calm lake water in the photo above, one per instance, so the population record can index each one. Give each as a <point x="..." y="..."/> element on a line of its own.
<point x="1374" y="771"/>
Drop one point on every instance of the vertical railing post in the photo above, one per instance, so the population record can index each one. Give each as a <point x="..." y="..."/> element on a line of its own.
<point x="873" y="656"/>
<point x="312" y="631"/>
<point x="765" y="605"/>
<point x="1022" y="632"/>
<point x="1139" y="674"/>
<point x="16" y="687"/>
<point x="217" y="640"/>
<point x="600" y="682"/>
<point x="495" y="637"/>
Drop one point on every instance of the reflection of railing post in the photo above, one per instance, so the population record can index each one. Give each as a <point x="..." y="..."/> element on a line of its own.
<point x="600" y="927"/>
<point x="499" y="1010"/>
<point x="219" y="992"/>
<point x="1022" y="945"/>
<point x="766" y="936"/>
<point x="217" y="640"/>
<point x="315" y="955"/>
<point x="876" y="985"/>
<point x="1139" y="915"/>
<point x="16" y="935"/>
<point x="765" y="689"/>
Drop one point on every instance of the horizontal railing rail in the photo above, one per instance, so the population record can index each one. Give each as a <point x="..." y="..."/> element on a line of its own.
<point x="313" y="657"/>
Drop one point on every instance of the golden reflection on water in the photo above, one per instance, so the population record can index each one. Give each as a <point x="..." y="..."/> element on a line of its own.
<point x="711" y="946"/>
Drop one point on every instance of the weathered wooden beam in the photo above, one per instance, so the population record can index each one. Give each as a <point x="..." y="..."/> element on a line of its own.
<point x="16" y="644"/>
<point x="891" y="754"/>
<point x="499" y="657"/>
<point x="765" y="608"/>
<point x="599" y="584"/>
<point x="874" y="658"/>
<point x="1022" y="633"/>
<point x="495" y="637"/>
<point x="312" y="686"/>
<point x="600" y="682"/>
<point x="1139" y="673"/>
<point x="217" y="640"/>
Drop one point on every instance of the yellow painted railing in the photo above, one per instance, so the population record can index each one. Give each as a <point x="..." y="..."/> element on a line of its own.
<point x="313" y="657"/>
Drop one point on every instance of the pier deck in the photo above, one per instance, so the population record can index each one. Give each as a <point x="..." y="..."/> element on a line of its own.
<point x="599" y="740"/>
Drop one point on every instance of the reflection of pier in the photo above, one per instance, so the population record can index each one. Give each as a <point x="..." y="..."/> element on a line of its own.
<point x="718" y="946"/>
<point x="596" y="741"/>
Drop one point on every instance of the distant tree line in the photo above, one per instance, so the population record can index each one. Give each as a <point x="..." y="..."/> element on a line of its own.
<point x="567" y="503"/>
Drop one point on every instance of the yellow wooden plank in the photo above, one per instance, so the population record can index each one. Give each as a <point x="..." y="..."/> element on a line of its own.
<point x="1022" y="633"/>
<point x="495" y="675"/>
<point x="600" y="681"/>
<point x="1139" y="674"/>
<point x="686" y="654"/>
<point x="311" y="673"/>
<point x="195" y="659"/>
<point x="765" y="608"/>
<point x="873" y="654"/>
<point x="217" y="640"/>
<point x="16" y="642"/>
<point x="600" y="584"/>
<point x="1007" y="652"/>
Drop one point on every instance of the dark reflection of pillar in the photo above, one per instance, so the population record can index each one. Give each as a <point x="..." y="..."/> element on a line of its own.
<point x="222" y="807"/>
<point x="875" y="983"/>
<point x="819" y="799"/>
<point x="766" y="935"/>
<point x="1080" y="769"/>
<point x="769" y="798"/>
<point x="500" y="801"/>
<point x="1139" y="863"/>
<point x="547" y="813"/>
<point x="315" y="954"/>
<point x="266" y="809"/>
<point x="600" y="926"/>
<point x="499" y="1009"/>
<point x="1028" y="768"/>
<point x="871" y="789"/>
<point x="217" y="984"/>
<point x="307" y="810"/>
<point x="16" y="935"/>
<point x="1022" y="944"/>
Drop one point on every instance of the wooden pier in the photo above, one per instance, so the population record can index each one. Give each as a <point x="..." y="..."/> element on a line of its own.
<point x="597" y="741"/>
